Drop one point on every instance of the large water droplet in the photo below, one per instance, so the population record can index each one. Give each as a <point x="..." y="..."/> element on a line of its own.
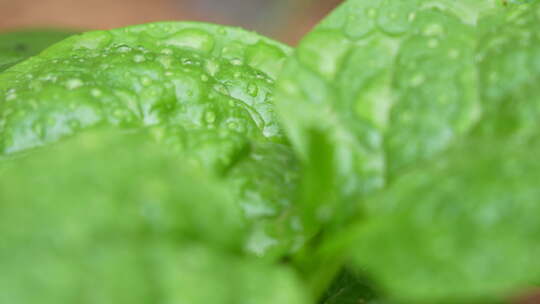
<point x="193" y="39"/>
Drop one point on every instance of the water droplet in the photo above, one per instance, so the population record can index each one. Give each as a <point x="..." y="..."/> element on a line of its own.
<point x="123" y="49"/>
<point x="259" y="243"/>
<point x="196" y="39"/>
<point x="271" y="131"/>
<point x="360" y="21"/>
<point x="253" y="89"/>
<point x="187" y="61"/>
<point x="453" y="53"/>
<point x="433" y="43"/>
<point x="74" y="83"/>
<point x="146" y="81"/>
<point x="139" y="58"/>
<point x="204" y="78"/>
<point x="166" y="51"/>
<point x="418" y="80"/>
<point x="96" y="92"/>
<point x="211" y="67"/>
<point x="166" y="61"/>
<point x="11" y="96"/>
<point x="395" y="17"/>
<point x="236" y="61"/>
<point x="434" y="29"/>
<point x="210" y="117"/>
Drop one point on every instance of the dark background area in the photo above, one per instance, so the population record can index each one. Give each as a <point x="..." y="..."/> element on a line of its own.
<point x="285" y="20"/>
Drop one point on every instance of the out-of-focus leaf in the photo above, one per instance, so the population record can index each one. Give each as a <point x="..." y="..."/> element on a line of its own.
<point x="461" y="228"/>
<point x="19" y="45"/>
<point x="113" y="218"/>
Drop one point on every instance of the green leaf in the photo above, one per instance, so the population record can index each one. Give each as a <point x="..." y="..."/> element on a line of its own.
<point x="509" y="73"/>
<point x="17" y="46"/>
<point x="113" y="218"/>
<point x="390" y="83"/>
<point x="195" y="76"/>
<point x="462" y="228"/>
<point x="205" y="91"/>
<point x="108" y="184"/>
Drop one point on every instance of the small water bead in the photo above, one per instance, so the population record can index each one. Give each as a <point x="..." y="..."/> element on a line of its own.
<point x="433" y="43"/>
<point x="211" y="67"/>
<point x="146" y="81"/>
<point x="49" y="77"/>
<point x="74" y="83"/>
<point x="418" y="80"/>
<point x="96" y="92"/>
<point x="210" y="117"/>
<point x="204" y="78"/>
<point x="166" y="51"/>
<point x="166" y="61"/>
<point x="396" y="17"/>
<point x="361" y="21"/>
<point x="412" y="17"/>
<point x="232" y="125"/>
<point x="237" y="61"/>
<point x="11" y="96"/>
<point x="253" y="89"/>
<point x="434" y="29"/>
<point x="453" y="53"/>
<point x="259" y="243"/>
<point x="271" y="131"/>
<point x="123" y="49"/>
<point x="187" y="61"/>
<point x="139" y="58"/>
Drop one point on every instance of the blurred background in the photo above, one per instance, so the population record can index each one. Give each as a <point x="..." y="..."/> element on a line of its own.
<point x="285" y="20"/>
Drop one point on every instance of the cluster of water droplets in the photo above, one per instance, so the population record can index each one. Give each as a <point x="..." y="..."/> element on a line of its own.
<point x="202" y="90"/>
